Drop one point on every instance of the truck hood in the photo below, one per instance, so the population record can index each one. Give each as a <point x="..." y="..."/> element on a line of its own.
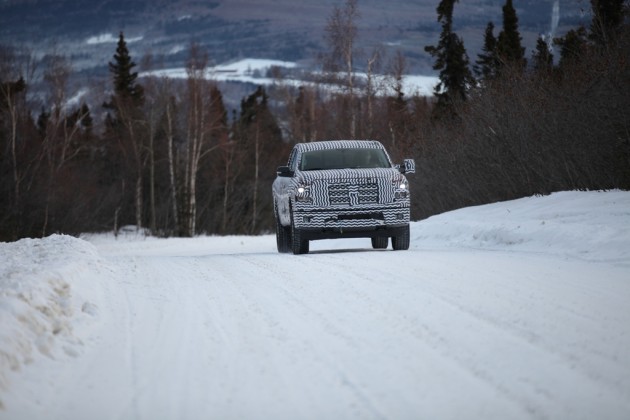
<point x="354" y="188"/>
<point x="350" y="175"/>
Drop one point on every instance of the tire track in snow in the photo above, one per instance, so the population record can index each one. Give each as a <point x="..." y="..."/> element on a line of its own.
<point x="283" y="327"/>
<point x="424" y="333"/>
<point x="420" y="340"/>
<point x="159" y="333"/>
<point x="528" y="343"/>
<point x="531" y="398"/>
<point x="359" y="334"/>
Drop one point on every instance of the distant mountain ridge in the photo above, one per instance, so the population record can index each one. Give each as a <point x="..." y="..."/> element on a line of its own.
<point x="276" y="29"/>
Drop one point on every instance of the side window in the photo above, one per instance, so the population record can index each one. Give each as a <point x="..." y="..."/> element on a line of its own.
<point x="292" y="159"/>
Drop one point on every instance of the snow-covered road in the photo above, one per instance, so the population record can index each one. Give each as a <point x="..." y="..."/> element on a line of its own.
<point x="515" y="310"/>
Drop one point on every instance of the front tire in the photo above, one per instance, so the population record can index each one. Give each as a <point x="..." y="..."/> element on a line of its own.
<point x="283" y="234"/>
<point x="380" y="242"/>
<point x="283" y="238"/>
<point x="401" y="242"/>
<point x="298" y="244"/>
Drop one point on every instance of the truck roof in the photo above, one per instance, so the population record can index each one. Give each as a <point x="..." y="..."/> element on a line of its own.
<point x="339" y="144"/>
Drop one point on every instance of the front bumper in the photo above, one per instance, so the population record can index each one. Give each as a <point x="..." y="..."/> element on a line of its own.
<point x="337" y="223"/>
<point x="338" y="233"/>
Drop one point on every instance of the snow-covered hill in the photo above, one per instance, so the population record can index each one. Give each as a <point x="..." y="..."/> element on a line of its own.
<point x="279" y="29"/>
<point x="255" y="70"/>
<point x="511" y="310"/>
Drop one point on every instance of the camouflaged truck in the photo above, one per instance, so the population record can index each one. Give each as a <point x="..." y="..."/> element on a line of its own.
<point x="341" y="189"/>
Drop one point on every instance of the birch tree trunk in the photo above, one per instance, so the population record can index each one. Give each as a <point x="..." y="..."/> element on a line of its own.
<point x="256" y="172"/>
<point x="370" y="92"/>
<point x="152" y="181"/>
<point x="171" y="163"/>
<point x="16" y="176"/>
<point x="226" y="187"/>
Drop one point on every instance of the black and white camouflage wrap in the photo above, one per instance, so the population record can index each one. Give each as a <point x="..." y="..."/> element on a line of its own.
<point x="342" y="198"/>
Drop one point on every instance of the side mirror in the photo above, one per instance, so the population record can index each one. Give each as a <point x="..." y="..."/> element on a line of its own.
<point x="408" y="167"/>
<point x="284" y="171"/>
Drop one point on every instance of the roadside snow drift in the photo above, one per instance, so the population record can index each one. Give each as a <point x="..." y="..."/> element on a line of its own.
<point x="593" y="226"/>
<point x="513" y="310"/>
<point x="41" y="299"/>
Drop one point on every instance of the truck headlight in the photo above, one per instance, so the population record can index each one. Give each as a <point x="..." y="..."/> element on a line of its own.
<point x="303" y="193"/>
<point x="400" y="183"/>
<point x="401" y="187"/>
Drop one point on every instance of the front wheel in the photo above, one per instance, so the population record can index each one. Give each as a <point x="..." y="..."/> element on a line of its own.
<point x="380" y="242"/>
<point x="298" y="244"/>
<point x="283" y="235"/>
<point x="401" y="242"/>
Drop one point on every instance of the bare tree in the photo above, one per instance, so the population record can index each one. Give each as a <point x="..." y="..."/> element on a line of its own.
<point x="302" y="114"/>
<point x="16" y="70"/>
<point x="371" y="89"/>
<point x="196" y="132"/>
<point x="59" y="144"/>
<point x="229" y="158"/>
<point x="170" y="128"/>
<point x="340" y="34"/>
<point x="397" y="112"/>
<point x="202" y="124"/>
<point x="159" y="121"/>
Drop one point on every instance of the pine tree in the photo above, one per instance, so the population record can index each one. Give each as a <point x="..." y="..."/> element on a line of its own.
<point x="451" y="60"/>
<point x="542" y="57"/>
<point x="125" y="85"/>
<point x="220" y="131"/>
<point x="300" y="117"/>
<point x="509" y="48"/>
<point x="261" y="140"/>
<point x="124" y="128"/>
<point x="487" y="64"/>
<point x="607" y="17"/>
<point x="42" y="122"/>
<point x="86" y="121"/>
<point x="572" y="47"/>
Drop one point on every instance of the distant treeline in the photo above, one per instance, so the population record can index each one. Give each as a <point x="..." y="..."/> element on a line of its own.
<point x="168" y="158"/>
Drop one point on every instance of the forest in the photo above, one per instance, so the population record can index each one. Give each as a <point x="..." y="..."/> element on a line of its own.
<point x="169" y="159"/>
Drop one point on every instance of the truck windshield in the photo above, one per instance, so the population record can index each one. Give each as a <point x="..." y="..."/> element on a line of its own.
<point x="343" y="159"/>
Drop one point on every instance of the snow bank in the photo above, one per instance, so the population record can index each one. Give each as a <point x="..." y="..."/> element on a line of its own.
<point x="41" y="296"/>
<point x="593" y="226"/>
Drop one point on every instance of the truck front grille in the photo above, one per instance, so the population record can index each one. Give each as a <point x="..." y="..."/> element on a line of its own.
<point x="352" y="194"/>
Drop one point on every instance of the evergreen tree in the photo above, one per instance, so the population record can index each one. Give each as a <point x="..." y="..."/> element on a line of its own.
<point x="42" y="122"/>
<point x="125" y="134"/>
<point x="607" y="17"/>
<point x="125" y="85"/>
<point x="9" y="91"/>
<point x="86" y="121"/>
<point x="542" y="57"/>
<point x="451" y="60"/>
<point x="572" y="47"/>
<point x="261" y="140"/>
<point x="220" y="131"/>
<point x="255" y="113"/>
<point x="303" y="125"/>
<point x="487" y="64"/>
<point x="509" y="48"/>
